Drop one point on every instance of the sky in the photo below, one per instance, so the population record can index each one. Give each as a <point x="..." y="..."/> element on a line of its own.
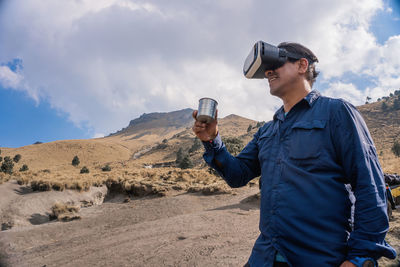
<point x="77" y="69"/>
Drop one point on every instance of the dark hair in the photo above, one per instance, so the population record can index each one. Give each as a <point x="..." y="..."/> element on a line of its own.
<point x="297" y="48"/>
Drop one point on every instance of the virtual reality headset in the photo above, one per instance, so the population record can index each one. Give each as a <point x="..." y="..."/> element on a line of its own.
<point x="265" y="57"/>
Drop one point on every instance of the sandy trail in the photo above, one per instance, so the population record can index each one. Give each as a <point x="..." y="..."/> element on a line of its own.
<point x="183" y="230"/>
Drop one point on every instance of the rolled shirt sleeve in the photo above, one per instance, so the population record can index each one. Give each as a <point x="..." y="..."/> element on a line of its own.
<point x="241" y="169"/>
<point x="357" y="154"/>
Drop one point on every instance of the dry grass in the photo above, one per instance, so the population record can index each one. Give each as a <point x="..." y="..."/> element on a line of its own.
<point x="65" y="212"/>
<point x="385" y="129"/>
<point x="133" y="181"/>
<point x="4" y="177"/>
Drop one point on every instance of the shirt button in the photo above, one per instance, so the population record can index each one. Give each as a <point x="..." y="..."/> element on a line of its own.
<point x="273" y="240"/>
<point x="281" y="139"/>
<point x="278" y="161"/>
<point x="272" y="212"/>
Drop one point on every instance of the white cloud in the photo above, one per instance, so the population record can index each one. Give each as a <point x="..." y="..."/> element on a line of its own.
<point x="106" y="62"/>
<point x="8" y="78"/>
<point x="346" y="91"/>
<point x="98" y="135"/>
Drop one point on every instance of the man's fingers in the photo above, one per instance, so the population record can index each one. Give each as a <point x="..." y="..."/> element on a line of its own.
<point x="200" y="124"/>
<point x="194" y="114"/>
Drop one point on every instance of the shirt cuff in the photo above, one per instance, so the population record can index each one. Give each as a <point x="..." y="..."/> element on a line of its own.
<point x="359" y="261"/>
<point x="213" y="145"/>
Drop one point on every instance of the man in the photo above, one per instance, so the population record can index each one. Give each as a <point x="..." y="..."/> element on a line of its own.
<point x="316" y="158"/>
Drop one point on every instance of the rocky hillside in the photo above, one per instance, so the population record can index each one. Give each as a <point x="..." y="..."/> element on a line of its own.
<point x="157" y="123"/>
<point x="383" y="120"/>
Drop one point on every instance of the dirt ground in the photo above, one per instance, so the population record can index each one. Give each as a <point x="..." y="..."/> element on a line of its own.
<point x="187" y="229"/>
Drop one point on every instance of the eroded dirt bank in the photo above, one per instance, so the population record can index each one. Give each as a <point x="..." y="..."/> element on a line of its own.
<point x="182" y="230"/>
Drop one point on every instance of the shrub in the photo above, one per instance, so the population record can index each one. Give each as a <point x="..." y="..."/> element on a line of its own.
<point x="233" y="144"/>
<point x="396" y="148"/>
<point x="260" y="123"/>
<point x="24" y="168"/>
<point x="7" y="165"/>
<point x="1" y="159"/>
<point x="249" y="128"/>
<point x="396" y="104"/>
<point x="185" y="163"/>
<point x="75" y="161"/>
<point x="64" y="212"/>
<point x="58" y="186"/>
<point x="40" y="185"/>
<point x="84" y="169"/>
<point x="17" y="158"/>
<point x="384" y="106"/>
<point x="179" y="155"/>
<point x="196" y="145"/>
<point x="106" y="168"/>
<point x="162" y="146"/>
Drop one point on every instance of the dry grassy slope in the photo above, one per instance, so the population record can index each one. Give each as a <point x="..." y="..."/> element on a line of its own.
<point x="58" y="155"/>
<point x="141" y="133"/>
<point x="384" y="128"/>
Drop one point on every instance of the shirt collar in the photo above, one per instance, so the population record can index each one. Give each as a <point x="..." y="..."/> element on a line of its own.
<point x="312" y="97"/>
<point x="309" y="99"/>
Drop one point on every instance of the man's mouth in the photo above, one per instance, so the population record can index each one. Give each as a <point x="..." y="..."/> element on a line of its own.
<point x="272" y="79"/>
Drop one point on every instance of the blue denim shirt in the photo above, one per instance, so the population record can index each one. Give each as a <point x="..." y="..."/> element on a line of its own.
<point x="322" y="189"/>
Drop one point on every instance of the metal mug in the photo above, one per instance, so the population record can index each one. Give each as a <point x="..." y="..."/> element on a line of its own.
<point x="207" y="110"/>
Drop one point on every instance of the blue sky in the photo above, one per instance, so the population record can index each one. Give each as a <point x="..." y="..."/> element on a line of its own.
<point x="86" y="68"/>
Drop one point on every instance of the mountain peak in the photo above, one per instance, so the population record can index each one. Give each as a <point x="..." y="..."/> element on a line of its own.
<point x="153" y="123"/>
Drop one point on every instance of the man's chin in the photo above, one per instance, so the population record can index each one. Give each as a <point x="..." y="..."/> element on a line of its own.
<point x="273" y="91"/>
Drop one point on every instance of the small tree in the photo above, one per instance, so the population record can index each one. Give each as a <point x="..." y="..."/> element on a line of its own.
<point x="17" y="158"/>
<point x="7" y="165"/>
<point x="249" y="128"/>
<point x="396" y="148"/>
<point x="84" y="169"/>
<point x="179" y="156"/>
<point x="24" y="168"/>
<point x="186" y="163"/>
<point x="196" y="145"/>
<point x="396" y="104"/>
<point x="367" y="100"/>
<point x="75" y="161"/>
<point x="260" y="123"/>
<point x="384" y="106"/>
<point x="1" y="159"/>
<point x="106" y="168"/>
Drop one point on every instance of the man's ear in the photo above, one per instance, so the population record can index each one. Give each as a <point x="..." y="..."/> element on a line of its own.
<point x="303" y="65"/>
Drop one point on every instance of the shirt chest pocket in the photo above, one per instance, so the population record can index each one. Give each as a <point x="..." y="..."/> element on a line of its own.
<point x="306" y="139"/>
<point x="265" y="146"/>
